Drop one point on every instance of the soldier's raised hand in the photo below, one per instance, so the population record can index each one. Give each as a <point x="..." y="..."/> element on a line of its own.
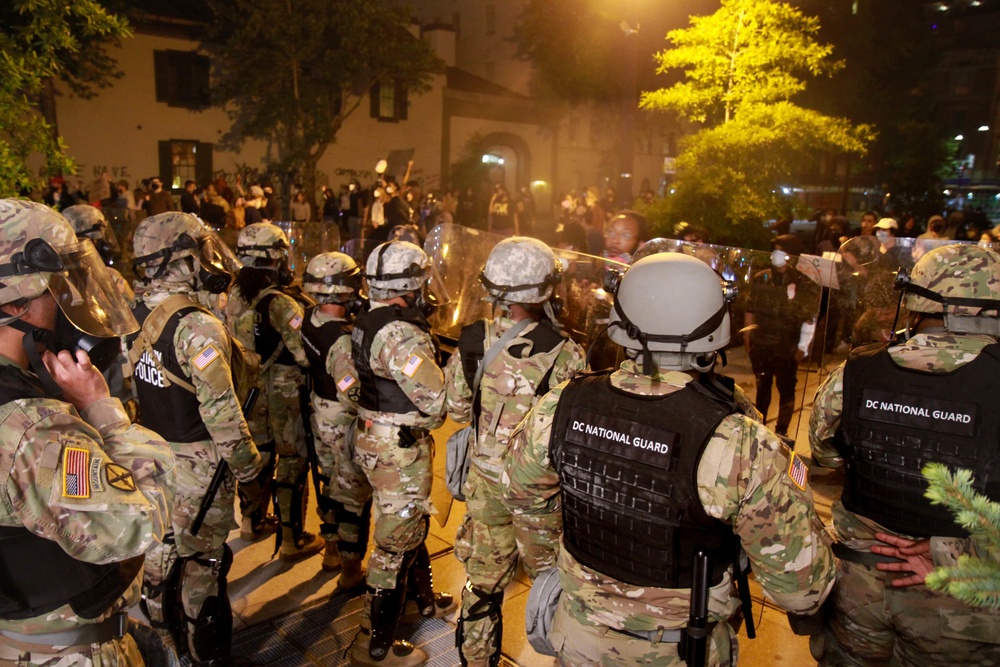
<point x="81" y="382"/>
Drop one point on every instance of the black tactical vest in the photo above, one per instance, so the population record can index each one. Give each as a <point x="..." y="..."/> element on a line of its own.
<point x="36" y="575"/>
<point x="266" y="337"/>
<point x="172" y="411"/>
<point x="896" y="420"/>
<point x="317" y="342"/>
<point x="380" y="394"/>
<point x="628" y="466"/>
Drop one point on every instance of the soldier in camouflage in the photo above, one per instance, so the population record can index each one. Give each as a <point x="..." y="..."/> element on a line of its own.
<point x="401" y="399"/>
<point x="532" y="355"/>
<point x="184" y="384"/>
<point x="882" y="415"/>
<point x="267" y="319"/>
<point x="89" y="223"/>
<point x="333" y="279"/>
<point x="85" y="493"/>
<point x="690" y="467"/>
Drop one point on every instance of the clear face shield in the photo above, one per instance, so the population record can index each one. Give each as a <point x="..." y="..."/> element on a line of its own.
<point x="86" y="294"/>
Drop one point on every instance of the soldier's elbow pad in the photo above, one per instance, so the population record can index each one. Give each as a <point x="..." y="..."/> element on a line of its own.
<point x="805" y="625"/>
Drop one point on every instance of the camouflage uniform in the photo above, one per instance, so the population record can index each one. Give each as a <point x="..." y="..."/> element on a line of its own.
<point x="741" y="479"/>
<point x="202" y="349"/>
<point x="868" y="621"/>
<point x="112" y="522"/>
<point x="333" y="425"/>
<point x="400" y="477"/>
<point x="280" y="421"/>
<point x="485" y="542"/>
<point x="96" y="488"/>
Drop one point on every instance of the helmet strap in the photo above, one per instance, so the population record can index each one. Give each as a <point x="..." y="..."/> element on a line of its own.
<point x="29" y="342"/>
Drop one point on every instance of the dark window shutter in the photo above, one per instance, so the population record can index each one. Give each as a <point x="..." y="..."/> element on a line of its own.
<point x="200" y="81"/>
<point x="373" y="95"/>
<point x="166" y="164"/>
<point x="161" y="66"/>
<point x="203" y="164"/>
<point x="401" y="105"/>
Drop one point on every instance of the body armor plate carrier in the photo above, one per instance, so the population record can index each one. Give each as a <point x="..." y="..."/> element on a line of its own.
<point x="628" y="465"/>
<point x="36" y="575"/>
<point x="267" y="339"/>
<point x="176" y="416"/>
<point x="896" y="420"/>
<point x="317" y="342"/>
<point x="380" y="394"/>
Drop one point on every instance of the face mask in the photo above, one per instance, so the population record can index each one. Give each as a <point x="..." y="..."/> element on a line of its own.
<point x="882" y="235"/>
<point x="285" y="275"/>
<point x="778" y="258"/>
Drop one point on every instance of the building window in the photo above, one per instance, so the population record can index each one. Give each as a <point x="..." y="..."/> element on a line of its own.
<point x="181" y="79"/>
<point x="183" y="160"/>
<point x="491" y="19"/>
<point x="388" y="101"/>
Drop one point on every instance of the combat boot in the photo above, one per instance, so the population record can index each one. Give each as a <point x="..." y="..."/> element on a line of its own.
<point x="401" y="654"/>
<point x="424" y="602"/>
<point x="352" y="576"/>
<point x="295" y="549"/>
<point x="253" y="533"/>
<point x="331" y="557"/>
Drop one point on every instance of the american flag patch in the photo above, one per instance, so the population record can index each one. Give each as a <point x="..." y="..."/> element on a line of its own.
<point x="207" y="356"/>
<point x="798" y="471"/>
<point x="411" y="366"/>
<point x="76" y="473"/>
<point x="346" y="382"/>
<point x="295" y="322"/>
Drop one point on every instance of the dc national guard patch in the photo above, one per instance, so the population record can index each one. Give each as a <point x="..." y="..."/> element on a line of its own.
<point x="207" y="356"/>
<point x="797" y="470"/>
<point x="119" y="477"/>
<point x="411" y="366"/>
<point x="76" y="472"/>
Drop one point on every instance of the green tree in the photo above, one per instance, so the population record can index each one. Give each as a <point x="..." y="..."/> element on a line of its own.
<point x="291" y="72"/>
<point x="39" y="41"/>
<point x="742" y="66"/>
<point x="975" y="580"/>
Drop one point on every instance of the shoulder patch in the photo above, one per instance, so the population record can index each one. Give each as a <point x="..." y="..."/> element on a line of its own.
<point x="346" y="382"/>
<point x="411" y="365"/>
<point x="96" y="482"/>
<point x="797" y="470"/>
<point x="76" y="473"/>
<point x="119" y="477"/>
<point x="207" y="356"/>
<point x="295" y="322"/>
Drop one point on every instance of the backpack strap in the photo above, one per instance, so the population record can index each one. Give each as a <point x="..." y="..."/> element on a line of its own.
<point x="153" y="328"/>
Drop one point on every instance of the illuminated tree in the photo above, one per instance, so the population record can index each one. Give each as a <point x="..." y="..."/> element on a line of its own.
<point x="742" y="68"/>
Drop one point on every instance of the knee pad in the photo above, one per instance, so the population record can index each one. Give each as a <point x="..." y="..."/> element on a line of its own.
<point x="211" y="634"/>
<point x="485" y="605"/>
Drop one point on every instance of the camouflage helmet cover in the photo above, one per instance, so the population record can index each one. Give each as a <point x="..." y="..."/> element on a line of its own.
<point x="162" y="232"/>
<point x="21" y="222"/>
<point x="262" y="239"/>
<point x="396" y="267"/>
<point x="521" y="270"/>
<point x="954" y="271"/>
<point x="332" y="273"/>
<point x="86" y="220"/>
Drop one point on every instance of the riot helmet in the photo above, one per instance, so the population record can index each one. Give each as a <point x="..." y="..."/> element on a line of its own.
<point x="264" y="245"/>
<point x="39" y="253"/>
<point x="521" y="270"/>
<point x="89" y="223"/>
<point x="332" y="277"/>
<point x="176" y="247"/>
<point x="958" y="281"/>
<point x="398" y="268"/>
<point x="674" y="307"/>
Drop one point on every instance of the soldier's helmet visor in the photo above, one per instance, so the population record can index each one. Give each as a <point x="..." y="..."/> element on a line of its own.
<point x="85" y="292"/>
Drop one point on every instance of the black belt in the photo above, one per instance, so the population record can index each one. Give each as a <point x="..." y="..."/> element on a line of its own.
<point x="113" y="627"/>
<point x="867" y="558"/>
